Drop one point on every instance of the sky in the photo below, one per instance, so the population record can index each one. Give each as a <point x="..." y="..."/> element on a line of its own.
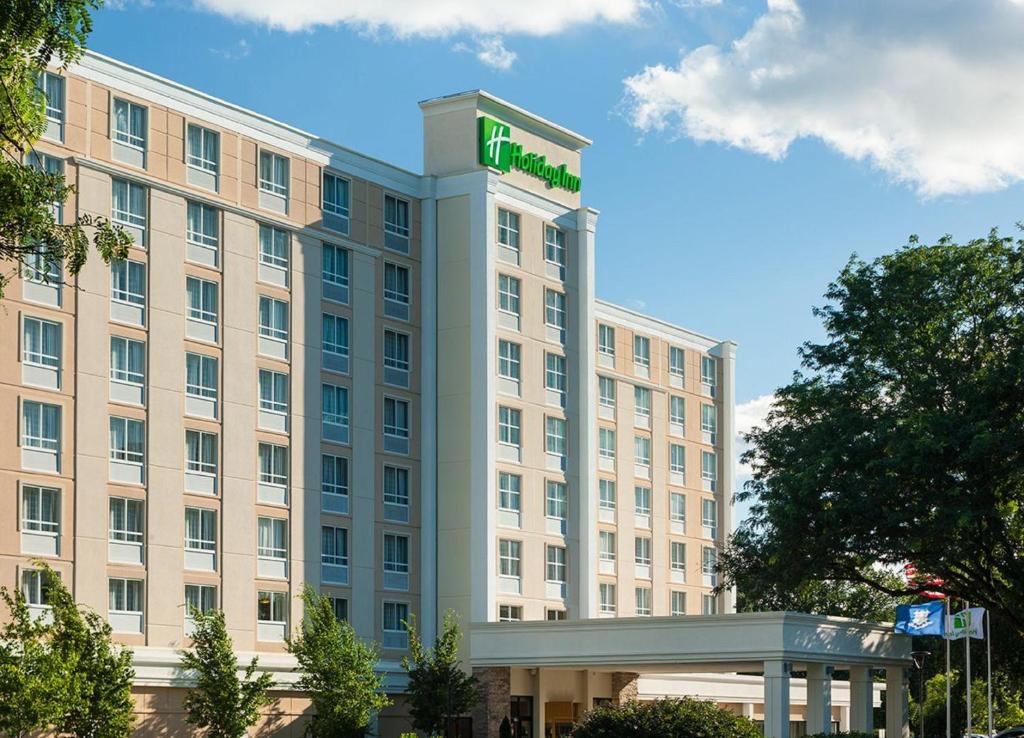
<point x="743" y="149"/>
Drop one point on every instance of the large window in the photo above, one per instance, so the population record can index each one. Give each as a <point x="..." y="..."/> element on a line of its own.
<point x="273" y="464"/>
<point x="396" y="350"/>
<point x="333" y="545"/>
<point x="126" y="520"/>
<point x="273" y="538"/>
<point x="396" y="283"/>
<point x="709" y="518"/>
<point x="129" y="203"/>
<point x="200" y="452"/>
<point x="200" y="529"/>
<point x="641" y="351"/>
<point x="335" y="404"/>
<point x="200" y="598"/>
<point x="335" y="334"/>
<point x="643" y="600"/>
<point x="509" y="558"/>
<point x="554" y="246"/>
<point x="273" y="247"/>
<point x="676" y="361"/>
<point x="642" y="500"/>
<point x="555" y="373"/>
<point x="708" y="466"/>
<point x="336" y="195"/>
<point x="642" y="550"/>
<point x="273" y="391"/>
<point x="677" y="410"/>
<point x="396" y="486"/>
<point x="508" y="360"/>
<point x="42" y="342"/>
<point x="606" y="494"/>
<point x="395" y="616"/>
<point x="606" y="545"/>
<point x="52" y="86"/>
<point x="677" y="459"/>
<point x="508" y="426"/>
<point x="127" y="440"/>
<point x="201" y="296"/>
<point x="202" y="225"/>
<point x="201" y="376"/>
<point x="396" y="216"/>
<point x="509" y="491"/>
<point x="40" y="509"/>
<point x="677" y="556"/>
<point x="203" y="148"/>
<point x="642" y="450"/>
<point x="709" y="604"/>
<point x="556" y="500"/>
<point x="508" y="229"/>
<point x="335" y="265"/>
<point x="709" y="566"/>
<point x="128" y="282"/>
<point x="129" y="124"/>
<point x="273" y="318"/>
<point x="272" y="607"/>
<point x="40" y="426"/>
<point x="677" y="606"/>
<point x="642" y="401"/>
<point x="606" y="443"/>
<point x="396" y="553"/>
<point x="677" y="507"/>
<point x="606" y="391"/>
<point x="508" y="294"/>
<point x="555" y="571"/>
<point x="274" y="173"/>
<point x="510" y="613"/>
<point x="125" y="596"/>
<point x="334" y="475"/>
<point x="709" y="420"/>
<point x="606" y="339"/>
<point x="555" y="436"/>
<point x="396" y="417"/>
<point x="607" y="592"/>
<point x="708" y="371"/>
<point x="554" y="309"/>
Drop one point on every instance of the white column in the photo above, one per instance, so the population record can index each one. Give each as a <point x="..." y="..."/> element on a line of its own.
<point x="539" y="696"/>
<point x="844" y="719"/>
<point x="819" y="698"/>
<point x="897" y="703"/>
<point x="862" y="715"/>
<point x="726" y="351"/>
<point x="776" y="699"/>
<point x="428" y="615"/>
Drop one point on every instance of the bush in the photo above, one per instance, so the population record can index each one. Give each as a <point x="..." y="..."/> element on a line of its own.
<point x="841" y="734"/>
<point x="670" y="718"/>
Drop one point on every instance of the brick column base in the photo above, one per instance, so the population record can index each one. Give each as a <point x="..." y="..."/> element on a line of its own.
<point x="625" y="686"/>
<point x="495" y="699"/>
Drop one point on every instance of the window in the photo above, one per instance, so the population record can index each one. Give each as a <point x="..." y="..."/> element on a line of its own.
<point x="508" y="294"/>
<point x="554" y="309"/>
<point x="50" y="165"/>
<point x="128" y="282"/>
<point x="127" y="440"/>
<point x="273" y="464"/>
<point x="200" y="529"/>
<point x="510" y="613"/>
<point x="396" y="350"/>
<point x="508" y="360"/>
<point x="396" y="216"/>
<point x="554" y="436"/>
<point x="41" y="268"/>
<point x="125" y="596"/>
<point x="709" y="565"/>
<point x="396" y="615"/>
<point x="274" y="173"/>
<point x="677" y="410"/>
<point x="203" y="148"/>
<point x="200" y="452"/>
<point x="606" y="391"/>
<point x="606" y="488"/>
<point x="273" y="318"/>
<point x="708" y="466"/>
<point x="677" y="507"/>
<point x="508" y="229"/>
<point x="273" y="247"/>
<point x="40" y="426"/>
<point x="273" y="538"/>
<point x="606" y="443"/>
<point x="396" y="553"/>
<point x="335" y="265"/>
<point x="676" y="459"/>
<point x="677" y="553"/>
<point x="554" y="246"/>
<point x="641" y="351"/>
<point x="201" y="376"/>
<point x="642" y="401"/>
<point x="709" y="518"/>
<point x="273" y="391"/>
<point x="677" y="605"/>
<point x="340" y="607"/>
<point x="676" y="361"/>
<point x="129" y="124"/>
<point x="335" y="404"/>
<point x="333" y="546"/>
<point x="508" y="426"/>
<point x="606" y="339"/>
<point x="40" y="509"/>
<point x="126" y="520"/>
<point x="200" y="598"/>
<point x="129" y="203"/>
<point x="708" y="420"/>
<point x="606" y="545"/>
<point x="334" y="475"/>
<point x="201" y="296"/>
<point x="642" y="450"/>
<point x="335" y="334"/>
<point x="202" y="225"/>
<point x="642" y="500"/>
<point x="509" y="486"/>
<point x="396" y="283"/>
<point x="555" y="571"/>
<point x="52" y="86"/>
<point x="272" y="607"/>
<point x="396" y="417"/>
<point x="709" y="604"/>
<point x="607" y="592"/>
<point x="642" y="551"/>
<point x="557" y="505"/>
<point x="396" y="486"/>
<point x="336" y="195"/>
<point x="127" y="360"/>
<point x="554" y="614"/>
<point x="509" y="558"/>
<point x="708" y="371"/>
<point x="555" y="373"/>
<point x="643" y="600"/>
<point x="41" y="345"/>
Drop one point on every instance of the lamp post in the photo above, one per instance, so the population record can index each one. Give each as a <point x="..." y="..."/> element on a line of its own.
<point x="919" y="659"/>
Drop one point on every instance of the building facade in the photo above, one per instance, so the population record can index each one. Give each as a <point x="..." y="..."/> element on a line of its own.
<point x="316" y="368"/>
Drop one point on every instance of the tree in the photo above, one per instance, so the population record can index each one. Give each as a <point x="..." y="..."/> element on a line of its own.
<point x="226" y="705"/>
<point x="439" y="690"/>
<point x="339" y="672"/>
<point x="901" y="440"/>
<point x="822" y="597"/>
<point x="684" y="718"/>
<point x="32" y="33"/>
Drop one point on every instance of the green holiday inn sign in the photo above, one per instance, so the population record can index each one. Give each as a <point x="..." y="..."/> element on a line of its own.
<point x="499" y="151"/>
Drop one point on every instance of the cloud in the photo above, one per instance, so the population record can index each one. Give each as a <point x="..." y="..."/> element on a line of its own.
<point x="749" y="415"/>
<point x="928" y="91"/>
<point x="239" y="51"/>
<point x="405" y="18"/>
<point x="490" y="51"/>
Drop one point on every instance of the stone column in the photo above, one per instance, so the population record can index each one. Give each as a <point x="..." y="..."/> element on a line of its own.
<point x="495" y="700"/>
<point x="625" y="686"/>
<point x="776" y="699"/>
<point x="897" y="703"/>
<point x="819" y="698"/>
<point x="862" y="709"/>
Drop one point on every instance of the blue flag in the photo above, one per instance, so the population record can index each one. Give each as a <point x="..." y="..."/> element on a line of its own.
<point x="920" y="620"/>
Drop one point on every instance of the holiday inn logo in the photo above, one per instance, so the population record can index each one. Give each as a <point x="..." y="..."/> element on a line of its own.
<point x="499" y="151"/>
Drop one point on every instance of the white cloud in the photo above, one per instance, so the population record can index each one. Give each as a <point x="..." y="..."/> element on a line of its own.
<point x="490" y="51"/>
<point x="440" y="18"/>
<point x="927" y="91"/>
<point x="239" y="51"/>
<point x="749" y="415"/>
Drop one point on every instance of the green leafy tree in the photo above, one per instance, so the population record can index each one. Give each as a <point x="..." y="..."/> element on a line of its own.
<point x="1007" y="703"/>
<point x="683" y="718"/>
<point x="901" y="440"/>
<point x="823" y="597"/>
<point x="339" y="672"/>
<point x="439" y="690"/>
<point x="32" y="33"/>
<point x="221" y="702"/>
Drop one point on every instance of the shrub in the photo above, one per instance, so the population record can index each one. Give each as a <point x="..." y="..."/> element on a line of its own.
<point x="841" y="734"/>
<point x="670" y="718"/>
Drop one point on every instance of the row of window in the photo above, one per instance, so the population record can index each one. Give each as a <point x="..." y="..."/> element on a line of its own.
<point x="642" y="398"/>
<point x="606" y="452"/>
<point x="510" y="304"/>
<point x="608" y="605"/>
<point x="642" y="356"/>
<point x="555" y="253"/>
<point x="642" y="508"/>
<point x="510" y="431"/>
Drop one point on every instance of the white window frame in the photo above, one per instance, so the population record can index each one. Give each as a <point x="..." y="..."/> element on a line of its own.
<point x="556" y="506"/>
<point x="509" y="291"/>
<point x="41" y="442"/>
<point x="392" y="417"/>
<point x="510" y="422"/>
<point x="554" y="246"/>
<point x="708" y="418"/>
<point x="54" y="112"/>
<point x="278" y="385"/>
<point x="277" y="314"/>
<point x="510" y="488"/>
<point x="396" y="618"/>
<point x="641" y="499"/>
<point x="605" y="398"/>
<point x="677" y="510"/>
<point x="607" y="501"/>
<point x="392" y="287"/>
<point x="677" y="602"/>
<point x="554" y="309"/>
<point x="606" y="443"/>
<point x="333" y="346"/>
<point x="337" y="392"/>
<point x="397" y="227"/>
<point x="675" y="417"/>
<point x="642" y="351"/>
<point x="643" y="601"/>
<point x="607" y="593"/>
<point x="395" y="484"/>
<point x="339" y="255"/>
<point x="124" y="455"/>
<point x="708" y="472"/>
<point x="202" y="465"/>
<point x="642" y="401"/>
<point x="337" y="553"/>
<point x="677" y="465"/>
<point x="508" y="229"/>
<point x="510" y="558"/>
<point x="125" y="585"/>
<point x="642" y="550"/>
<point x="642" y="450"/>
<point x="125" y="295"/>
<point x="708" y="371"/>
<point x="677" y="361"/>
<point x="204" y="312"/>
<point x="200" y="161"/>
<point x="267" y="166"/>
<point x="606" y="339"/>
<point x="206" y="518"/>
<point x="200" y="390"/>
<point x="130" y="138"/>
<point x="509" y="362"/>
<point x="556" y="373"/>
<point x="556" y="434"/>
<point x="392" y="560"/>
<point x="277" y="548"/>
<point x="126" y="534"/>
<point x="197" y="222"/>
<point x="278" y="607"/>
<point x="128" y="217"/>
<point x="33" y="518"/>
<point x="339" y="487"/>
<point x="676" y="562"/>
<point x="334" y="207"/>
<point x="397" y="360"/>
<point x="606" y="545"/>
<point x="709" y="517"/>
<point x="37" y="357"/>
<point x="274" y="245"/>
<point x="272" y="473"/>
<point x="556" y="568"/>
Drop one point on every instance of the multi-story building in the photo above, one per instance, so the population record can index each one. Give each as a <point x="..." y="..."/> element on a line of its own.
<point x="316" y="368"/>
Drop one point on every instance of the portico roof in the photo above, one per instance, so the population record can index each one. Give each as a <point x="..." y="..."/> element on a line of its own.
<point x="734" y="642"/>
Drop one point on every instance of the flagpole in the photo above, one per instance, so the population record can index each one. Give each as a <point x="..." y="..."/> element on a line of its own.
<point x="988" y="646"/>
<point x="949" y="723"/>
<point x="967" y="648"/>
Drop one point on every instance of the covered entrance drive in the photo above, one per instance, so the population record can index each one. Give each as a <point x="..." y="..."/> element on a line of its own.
<point x="567" y="667"/>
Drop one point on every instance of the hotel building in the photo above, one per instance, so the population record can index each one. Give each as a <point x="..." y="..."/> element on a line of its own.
<point x="400" y="389"/>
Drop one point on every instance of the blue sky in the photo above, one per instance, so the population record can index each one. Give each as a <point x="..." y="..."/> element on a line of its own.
<point x="743" y="150"/>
